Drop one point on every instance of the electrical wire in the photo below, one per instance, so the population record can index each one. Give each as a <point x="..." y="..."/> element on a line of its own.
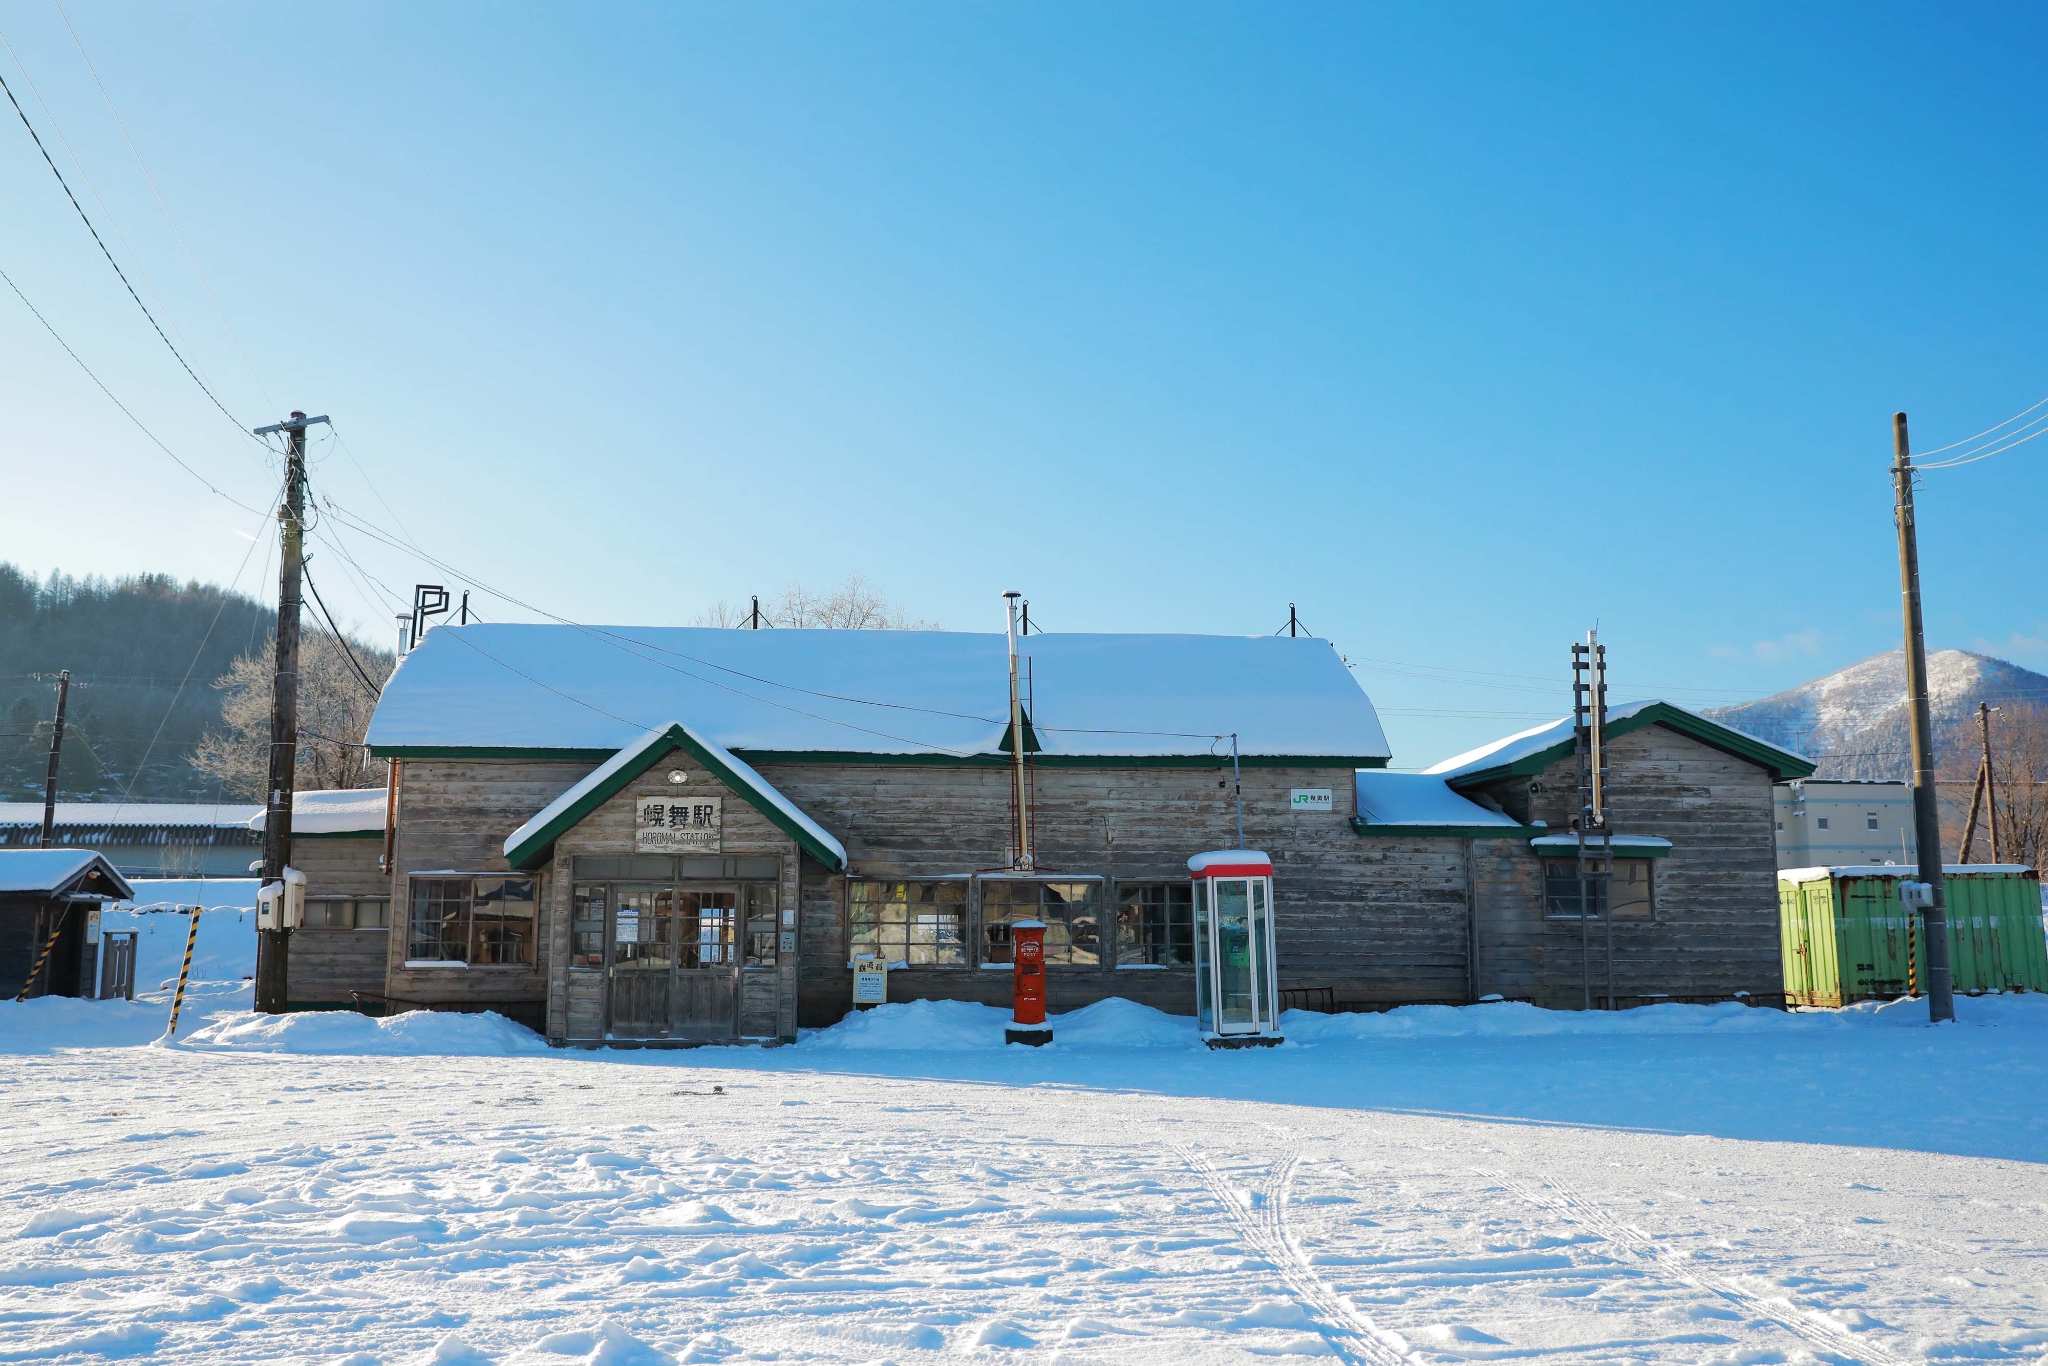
<point x="125" y="410"/>
<point x="82" y="217"/>
<point x="160" y="203"/>
<point x="1972" y="457"/>
<point x="354" y="663"/>
<point x="225" y="599"/>
<point x="1987" y="431"/>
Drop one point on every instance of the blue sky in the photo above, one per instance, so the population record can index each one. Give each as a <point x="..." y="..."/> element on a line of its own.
<point x="1462" y="327"/>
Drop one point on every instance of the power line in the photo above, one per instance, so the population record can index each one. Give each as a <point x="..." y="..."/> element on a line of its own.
<point x="125" y="411"/>
<point x="175" y="229"/>
<point x="51" y="163"/>
<point x="1987" y="431"/>
<point x="1972" y="457"/>
<point x="354" y="663"/>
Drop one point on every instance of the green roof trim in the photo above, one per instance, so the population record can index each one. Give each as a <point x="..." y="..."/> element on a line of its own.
<point x="533" y="851"/>
<point x="1447" y="832"/>
<point x="1782" y="764"/>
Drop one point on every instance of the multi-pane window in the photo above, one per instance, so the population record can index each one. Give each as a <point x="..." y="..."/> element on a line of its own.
<point x="1072" y="932"/>
<point x="1155" y="924"/>
<point x="348" y="913"/>
<point x="586" y="925"/>
<point x="760" y="925"/>
<point x="919" y="924"/>
<point x="1629" y="890"/>
<point x="484" y="921"/>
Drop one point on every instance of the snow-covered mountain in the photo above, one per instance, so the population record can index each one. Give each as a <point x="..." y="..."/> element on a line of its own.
<point x="1853" y="723"/>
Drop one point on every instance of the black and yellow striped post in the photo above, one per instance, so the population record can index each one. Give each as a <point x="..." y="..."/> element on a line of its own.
<point x="44" y="957"/>
<point x="184" y="971"/>
<point x="1912" y="953"/>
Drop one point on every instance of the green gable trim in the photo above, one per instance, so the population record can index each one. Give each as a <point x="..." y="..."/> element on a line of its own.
<point x="536" y="848"/>
<point x="376" y="834"/>
<point x="1782" y="764"/>
<point x="1448" y="832"/>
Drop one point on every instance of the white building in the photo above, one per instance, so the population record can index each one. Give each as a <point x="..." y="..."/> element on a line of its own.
<point x="1826" y="822"/>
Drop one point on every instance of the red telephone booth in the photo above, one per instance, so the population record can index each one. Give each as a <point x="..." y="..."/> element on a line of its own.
<point x="1027" y="985"/>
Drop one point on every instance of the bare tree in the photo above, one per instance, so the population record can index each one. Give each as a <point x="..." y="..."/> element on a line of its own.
<point x="2019" y="761"/>
<point x="853" y="606"/>
<point x="334" y="714"/>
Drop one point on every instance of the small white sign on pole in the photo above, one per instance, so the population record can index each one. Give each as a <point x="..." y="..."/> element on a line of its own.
<point x="1311" y="799"/>
<point x="678" y="825"/>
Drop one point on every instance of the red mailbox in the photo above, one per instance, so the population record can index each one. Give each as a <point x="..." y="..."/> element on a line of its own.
<point x="1027" y="984"/>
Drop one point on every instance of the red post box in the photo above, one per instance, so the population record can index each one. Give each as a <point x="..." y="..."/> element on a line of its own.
<point x="1027" y="985"/>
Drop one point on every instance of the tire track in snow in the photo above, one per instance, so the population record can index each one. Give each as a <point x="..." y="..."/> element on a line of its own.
<point x="1804" y="1323"/>
<point x="1262" y="1217"/>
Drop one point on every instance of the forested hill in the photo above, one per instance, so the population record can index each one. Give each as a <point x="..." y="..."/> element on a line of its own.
<point x="128" y="645"/>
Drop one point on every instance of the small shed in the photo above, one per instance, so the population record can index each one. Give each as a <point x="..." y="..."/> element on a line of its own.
<point x="1845" y="936"/>
<point x="54" y="892"/>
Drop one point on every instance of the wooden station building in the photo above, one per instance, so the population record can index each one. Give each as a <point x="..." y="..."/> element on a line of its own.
<point x="684" y="835"/>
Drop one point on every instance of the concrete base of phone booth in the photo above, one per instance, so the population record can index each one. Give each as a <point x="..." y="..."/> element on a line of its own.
<point x="1035" y="1038"/>
<point x="1245" y="1041"/>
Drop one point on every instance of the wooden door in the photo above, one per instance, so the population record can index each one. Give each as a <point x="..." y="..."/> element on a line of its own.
<point x="643" y="963"/>
<point x="706" y="1000"/>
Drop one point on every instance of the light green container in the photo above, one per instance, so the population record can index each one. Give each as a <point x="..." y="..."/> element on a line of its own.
<point x="1844" y="935"/>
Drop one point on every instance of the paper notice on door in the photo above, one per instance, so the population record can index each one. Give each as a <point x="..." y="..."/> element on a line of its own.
<point x="628" y="928"/>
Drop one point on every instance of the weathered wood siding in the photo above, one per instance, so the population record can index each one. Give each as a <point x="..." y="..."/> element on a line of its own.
<point x="1507" y="919"/>
<point x="608" y="832"/>
<point x="453" y="816"/>
<point x="325" y="965"/>
<point x="1715" y="927"/>
<point x="1373" y="920"/>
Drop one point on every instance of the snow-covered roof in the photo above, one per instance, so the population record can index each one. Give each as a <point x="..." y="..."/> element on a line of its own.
<point x="59" y="872"/>
<point x="1237" y="862"/>
<point x="1899" y="870"/>
<point x="1640" y="846"/>
<point x="1421" y="800"/>
<point x="543" y="687"/>
<point x="525" y="846"/>
<point x="1539" y="746"/>
<point x="224" y="815"/>
<point x="343" y="811"/>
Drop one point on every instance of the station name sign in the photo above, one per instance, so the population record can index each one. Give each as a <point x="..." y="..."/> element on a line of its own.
<point x="1311" y="799"/>
<point x="678" y="825"/>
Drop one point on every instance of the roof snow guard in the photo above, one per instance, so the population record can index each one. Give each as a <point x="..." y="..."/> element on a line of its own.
<point x="531" y="844"/>
<point x="1530" y="752"/>
<point x="542" y="691"/>
<point x="61" y="872"/>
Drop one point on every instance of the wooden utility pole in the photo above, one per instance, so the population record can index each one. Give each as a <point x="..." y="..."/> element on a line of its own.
<point x="1926" y="815"/>
<point x="1984" y="794"/>
<point x="56" y="751"/>
<point x="272" y="946"/>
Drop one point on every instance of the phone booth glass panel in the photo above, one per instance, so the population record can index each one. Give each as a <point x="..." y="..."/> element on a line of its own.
<point x="1236" y="984"/>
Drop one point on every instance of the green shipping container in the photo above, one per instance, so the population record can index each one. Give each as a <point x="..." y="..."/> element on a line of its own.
<point x="1844" y="934"/>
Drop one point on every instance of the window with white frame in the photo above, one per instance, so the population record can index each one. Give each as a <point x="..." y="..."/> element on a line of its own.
<point x="1072" y="933"/>
<point x="917" y="924"/>
<point x="482" y="920"/>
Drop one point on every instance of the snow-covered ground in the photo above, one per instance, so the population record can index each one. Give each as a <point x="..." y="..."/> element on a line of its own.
<point x="1493" y="1183"/>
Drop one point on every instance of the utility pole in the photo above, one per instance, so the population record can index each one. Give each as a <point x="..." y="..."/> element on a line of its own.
<point x="755" y="624"/>
<point x="1983" y="794"/>
<point x="1020" y="792"/>
<point x="1293" y="622"/>
<point x="273" y="945"/>
<point x="1926" y="815"/>
<point x="56" y="748"/>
